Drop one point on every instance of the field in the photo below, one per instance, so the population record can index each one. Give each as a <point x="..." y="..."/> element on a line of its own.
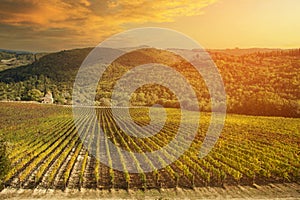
<point x="46" y="151"/>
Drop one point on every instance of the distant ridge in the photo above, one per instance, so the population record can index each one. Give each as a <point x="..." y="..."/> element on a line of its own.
<point x="16" y="51"/>
<point x="239" y="52"/>
<point x="230" y="51"/>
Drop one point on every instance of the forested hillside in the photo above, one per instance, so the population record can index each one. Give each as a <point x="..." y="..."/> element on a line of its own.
<point x="260" y="83"/>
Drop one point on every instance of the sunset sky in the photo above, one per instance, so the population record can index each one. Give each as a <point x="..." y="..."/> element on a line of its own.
<point x="51" y="25"/>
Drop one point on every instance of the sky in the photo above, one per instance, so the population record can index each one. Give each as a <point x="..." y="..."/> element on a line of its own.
<point x="52" y="25"/>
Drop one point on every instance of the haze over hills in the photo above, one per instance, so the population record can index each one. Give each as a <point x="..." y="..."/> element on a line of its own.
<point x="257" y="81"/>
<point x="15" y="51"/>
<point x="239" y="52"/>
<point x="12" y="58"/>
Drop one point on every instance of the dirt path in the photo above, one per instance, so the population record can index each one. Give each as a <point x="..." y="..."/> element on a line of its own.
<point x="272" y="191"/>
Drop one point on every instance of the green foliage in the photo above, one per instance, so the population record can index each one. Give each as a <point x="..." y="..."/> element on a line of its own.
<point x="34" y="95"/>
<point x="256" y="83"/>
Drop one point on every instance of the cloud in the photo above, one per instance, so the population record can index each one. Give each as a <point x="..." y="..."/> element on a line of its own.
<point x="88" y="21"/>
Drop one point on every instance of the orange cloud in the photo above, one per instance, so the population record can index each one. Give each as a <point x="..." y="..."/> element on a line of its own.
<point x="43" y="14"/>
<point x="88" y="21"/>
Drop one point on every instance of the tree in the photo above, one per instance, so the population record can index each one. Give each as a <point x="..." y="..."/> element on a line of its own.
<point x="105" y="102"/>
<point x="35" y="94"/>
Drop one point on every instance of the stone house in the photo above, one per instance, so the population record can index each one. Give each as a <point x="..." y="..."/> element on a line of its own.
<point x="48" y="98"/>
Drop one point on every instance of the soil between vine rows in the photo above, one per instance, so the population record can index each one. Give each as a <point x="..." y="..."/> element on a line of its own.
<point x="48" y="154"/>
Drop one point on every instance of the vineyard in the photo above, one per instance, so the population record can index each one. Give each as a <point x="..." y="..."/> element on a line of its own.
<point x="46" y="150"/>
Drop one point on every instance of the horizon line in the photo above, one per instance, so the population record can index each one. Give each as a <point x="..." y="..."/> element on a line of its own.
<point x="206" y="49"/>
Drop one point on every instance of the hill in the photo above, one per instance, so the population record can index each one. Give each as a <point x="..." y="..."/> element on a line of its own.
<point x="11" y="59"/>
<point x="256" y="82"/>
